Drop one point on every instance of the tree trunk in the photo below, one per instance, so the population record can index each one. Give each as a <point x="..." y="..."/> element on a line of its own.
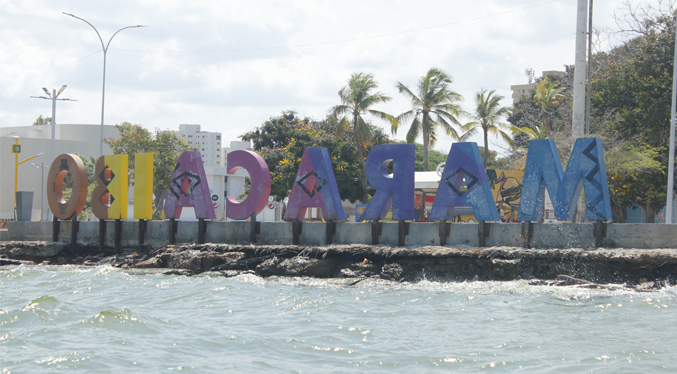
<point x="160" y="197"/>
<point x="649" y="212"/>
<point x="486" y="146"/>
<point x="547" y="123"/>
<point x="426" y="140"/>
<point x="619" y="213"/>
<point x="363" y="163"/>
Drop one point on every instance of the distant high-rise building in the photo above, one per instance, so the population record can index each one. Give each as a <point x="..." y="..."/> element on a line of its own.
<point x="207" y="143"/>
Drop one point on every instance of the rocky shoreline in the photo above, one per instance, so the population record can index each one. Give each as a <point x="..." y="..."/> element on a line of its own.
<point x="639" y="269"/>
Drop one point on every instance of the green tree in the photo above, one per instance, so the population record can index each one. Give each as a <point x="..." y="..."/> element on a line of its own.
<point x="357" y="98"/>
<point x="42" y="121"/>
<point x="281" y="141"/>
<point x="548" y="96"/>
<point x="632" y="88"/>
<point x="487" y="116"/>
<point x="166" y="147"/>
<point x="434" y="105"/>
<point x="434" y="157"/>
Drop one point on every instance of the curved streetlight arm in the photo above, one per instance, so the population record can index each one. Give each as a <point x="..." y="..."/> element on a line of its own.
<point x="127" y="27"/>
<point x="105" y="48"/>
<point x="87" y="22"/>
<point x="103" y="85"/>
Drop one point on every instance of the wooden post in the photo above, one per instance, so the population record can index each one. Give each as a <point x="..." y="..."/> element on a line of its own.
<point x="375" y="231"/>
<point x="252" y="229"/>
<point x="297" y="229"/>
<point x="143" y="224"/>
<point x="201" y="230"/>
<point x="172" y="230"/>
<point x="444" y="232"/>
<point x="75" y="225"/>
<point x="599" y="230"/>
<point x="330" y="231"/>
<point x="56" y="227"/>
<point x="482" y="233"/>
<point x="402" y="232"/>
<point x="527" y="233"/>
<point x="102" y="234"/>
<point x="117" y="238"/>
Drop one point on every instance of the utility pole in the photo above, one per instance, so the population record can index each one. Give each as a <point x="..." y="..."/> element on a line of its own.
<point x="578" y="124"/>
<point x="671" y="157"/>
<point x="54" y="96"/>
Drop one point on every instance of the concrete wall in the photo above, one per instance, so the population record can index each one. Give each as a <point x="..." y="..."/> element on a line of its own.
<point x="560" y="235"/>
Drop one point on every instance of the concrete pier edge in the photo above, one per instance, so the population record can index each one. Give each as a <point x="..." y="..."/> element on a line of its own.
<point x="159" y="233"/>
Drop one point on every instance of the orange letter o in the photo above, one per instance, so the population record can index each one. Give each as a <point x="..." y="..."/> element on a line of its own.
<point x="61" y="166"/>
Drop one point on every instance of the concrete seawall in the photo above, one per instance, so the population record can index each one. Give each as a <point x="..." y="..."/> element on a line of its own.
<point x="158" y="233"/>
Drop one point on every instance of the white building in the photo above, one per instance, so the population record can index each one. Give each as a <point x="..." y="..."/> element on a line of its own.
<point x="208" y="143"/>
<point x="80" y="139"/>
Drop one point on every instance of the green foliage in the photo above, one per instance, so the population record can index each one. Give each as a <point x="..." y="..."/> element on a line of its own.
<point x="635" y="176"/>
<point x="42" y="121"/>
<point x="487" y="117"/>
<point x="357" y="99"/>
<point x="166" y="147"/>
<point x="434" y="157"/>
<point x="282" y="139"/>
<point x="632" y="88"/>
<point x="433" y="105"/>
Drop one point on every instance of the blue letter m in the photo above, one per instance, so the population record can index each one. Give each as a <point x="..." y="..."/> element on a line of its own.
<point x="585" y="170"/>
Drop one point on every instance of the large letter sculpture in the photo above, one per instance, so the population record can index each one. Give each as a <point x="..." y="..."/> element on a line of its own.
<point x="109" y="197"/>
<point x="464" y="163"/>
<point x="259" y="190"/>
<point x="62" y="166"/>
<point x="189" y="187"/>
<point x="585" y="170"/>
<point x="315" y="186"/>
<point x="143" y="186"/>
<point x="396" y="190"/>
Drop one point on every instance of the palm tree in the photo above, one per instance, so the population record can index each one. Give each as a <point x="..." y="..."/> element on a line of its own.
<point x="433" y="105"/>
<point x="487" y="116"/>
<point x="548" y="95"/>
<point x="357" y="98"/>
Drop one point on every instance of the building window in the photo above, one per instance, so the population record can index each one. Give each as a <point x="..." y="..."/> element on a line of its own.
<point x="218" y="137"/>
<point x="225" y="180"/>
<point x="190" y="136"/>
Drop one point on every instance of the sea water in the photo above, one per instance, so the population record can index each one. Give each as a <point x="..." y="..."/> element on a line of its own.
<point x="106" y="320"/>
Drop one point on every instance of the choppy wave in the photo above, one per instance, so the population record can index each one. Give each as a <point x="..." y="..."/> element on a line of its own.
<point x="103" y="319"/>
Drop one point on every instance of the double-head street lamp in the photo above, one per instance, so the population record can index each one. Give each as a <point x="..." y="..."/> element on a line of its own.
<point x="54" y="96"/>
<point x="105" y="51"/>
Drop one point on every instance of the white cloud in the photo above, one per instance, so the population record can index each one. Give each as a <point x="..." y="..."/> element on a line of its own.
<point x="230" y="65"/>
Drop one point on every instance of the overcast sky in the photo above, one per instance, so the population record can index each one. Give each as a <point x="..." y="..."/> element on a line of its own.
<point x="229" y="65"/>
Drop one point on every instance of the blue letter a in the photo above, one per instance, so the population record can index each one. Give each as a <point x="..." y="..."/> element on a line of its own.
<point x="464" y="163"/>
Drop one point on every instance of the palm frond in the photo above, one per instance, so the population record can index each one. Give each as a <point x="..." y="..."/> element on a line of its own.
<point x="414" y="129"/>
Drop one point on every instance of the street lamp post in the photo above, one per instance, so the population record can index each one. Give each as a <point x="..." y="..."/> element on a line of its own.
<point x="54" y="97"/>
<point x="105" y="51"/>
